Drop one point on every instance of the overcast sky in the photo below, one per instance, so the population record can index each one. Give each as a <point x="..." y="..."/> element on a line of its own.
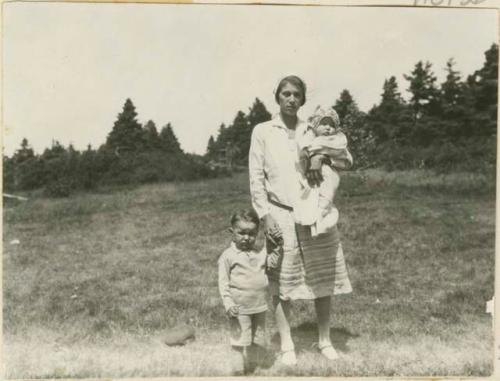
<point x="68" y="68"/>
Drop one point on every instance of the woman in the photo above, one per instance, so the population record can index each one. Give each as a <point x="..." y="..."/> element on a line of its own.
<point x="311" y="268"/>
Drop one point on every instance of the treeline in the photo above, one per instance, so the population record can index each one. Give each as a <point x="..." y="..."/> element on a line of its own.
<point x="132" y="154"/>
<point x="233" y="142"/>
<point x="447" y="126"/>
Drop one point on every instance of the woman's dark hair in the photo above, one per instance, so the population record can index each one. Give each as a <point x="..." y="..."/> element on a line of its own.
<point x="247" y="215"/>
<point x="293" y="80"/>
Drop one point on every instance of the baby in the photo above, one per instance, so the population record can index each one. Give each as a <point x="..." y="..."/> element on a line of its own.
<point x="315" y="205"/>
<point x="243" y="284"/>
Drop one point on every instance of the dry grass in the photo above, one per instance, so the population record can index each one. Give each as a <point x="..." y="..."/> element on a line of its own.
<point x="44" y="354"/>
<point x="98" y="278"/>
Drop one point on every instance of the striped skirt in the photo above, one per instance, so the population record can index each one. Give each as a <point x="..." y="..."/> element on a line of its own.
<point x="311" y="267"/>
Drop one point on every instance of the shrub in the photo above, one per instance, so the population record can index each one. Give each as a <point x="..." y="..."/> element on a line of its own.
<point x="467" y="154"/>
<point x="58" y="188"/>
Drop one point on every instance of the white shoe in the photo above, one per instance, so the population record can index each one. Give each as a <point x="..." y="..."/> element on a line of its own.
<point x="329" y="352"/>
<point x="288" y="358"/>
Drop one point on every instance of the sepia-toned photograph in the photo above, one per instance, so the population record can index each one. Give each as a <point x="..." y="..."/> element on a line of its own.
<point x="225" y="190"/>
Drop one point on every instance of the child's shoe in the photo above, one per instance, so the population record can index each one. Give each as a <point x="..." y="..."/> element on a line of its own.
<point x="238" y="362"/>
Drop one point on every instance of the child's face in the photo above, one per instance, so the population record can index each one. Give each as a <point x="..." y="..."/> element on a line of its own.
<point x="244" y="234"/>
<point x="326" y="127"/>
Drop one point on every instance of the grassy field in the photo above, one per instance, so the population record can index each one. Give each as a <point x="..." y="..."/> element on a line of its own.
<point x="97" y="280"/>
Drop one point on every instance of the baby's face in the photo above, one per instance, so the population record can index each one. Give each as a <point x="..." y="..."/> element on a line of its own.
<point x="326" y="127"/>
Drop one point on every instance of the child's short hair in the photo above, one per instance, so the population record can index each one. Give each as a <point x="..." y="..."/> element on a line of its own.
<point x="248" y="215"/>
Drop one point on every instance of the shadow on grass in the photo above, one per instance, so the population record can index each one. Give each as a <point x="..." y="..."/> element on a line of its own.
<point x="259" y="357"/>
<point x="305" y="337"/>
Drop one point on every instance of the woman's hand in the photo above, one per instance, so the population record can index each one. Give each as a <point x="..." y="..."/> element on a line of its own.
<point x="272" y="230"/>
<point x="313" y="174"/>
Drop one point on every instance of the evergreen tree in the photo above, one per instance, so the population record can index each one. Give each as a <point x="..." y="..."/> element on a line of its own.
<point x="424" y="94"/>
<point x="239" y="122"/>
<point x="238" y="143"/>
<point x="221" y="136"/>
<point x="451" y="89"/>
<point x="168" y="140"/>
<point x="454" y="114"/>
<point x="55" y="163"/>
<point x="425" y="104"/>
<point x="354" y="124"/>
<point x="24" y="153"/>
<point x="257" y="114"/>
<point x="105" y="159"/>
<point x="232" y="143"/>
<point x="344" y="104"/>
<point x="220" y="142"/>
<point x="73" y="163"/>
<point x="389" y="120"/>
<point x="391" y="94"/>
<point x="211" y="148"/>
<point x="13" y="167"/>
<point x="150" y="136"/>
<point x="487" y="80"/>
<point x="56" y="151"/>
<point x="482" y="95"/>
<point x="27" y="170"/>
<point x="87" y="169"/>
<point x="127" y="134"/>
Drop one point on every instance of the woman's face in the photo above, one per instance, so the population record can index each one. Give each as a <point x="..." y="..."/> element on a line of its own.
<point x="290" y="99"/>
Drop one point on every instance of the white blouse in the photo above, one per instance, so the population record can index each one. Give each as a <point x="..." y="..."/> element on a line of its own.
<point x="272" y="164"/>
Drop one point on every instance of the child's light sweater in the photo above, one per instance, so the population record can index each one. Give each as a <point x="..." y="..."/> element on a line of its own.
<point x="242" y="280"/>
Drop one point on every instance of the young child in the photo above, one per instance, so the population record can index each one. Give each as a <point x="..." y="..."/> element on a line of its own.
<point x="323" y="136"/>
<point x="243" y="285"/>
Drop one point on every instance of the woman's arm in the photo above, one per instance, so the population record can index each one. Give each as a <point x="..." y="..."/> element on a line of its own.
<point x="256" y="158"/>
<point x="258" y="192"/>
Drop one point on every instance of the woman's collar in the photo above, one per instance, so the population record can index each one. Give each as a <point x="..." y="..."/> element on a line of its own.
<point x="278" y="122"/>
